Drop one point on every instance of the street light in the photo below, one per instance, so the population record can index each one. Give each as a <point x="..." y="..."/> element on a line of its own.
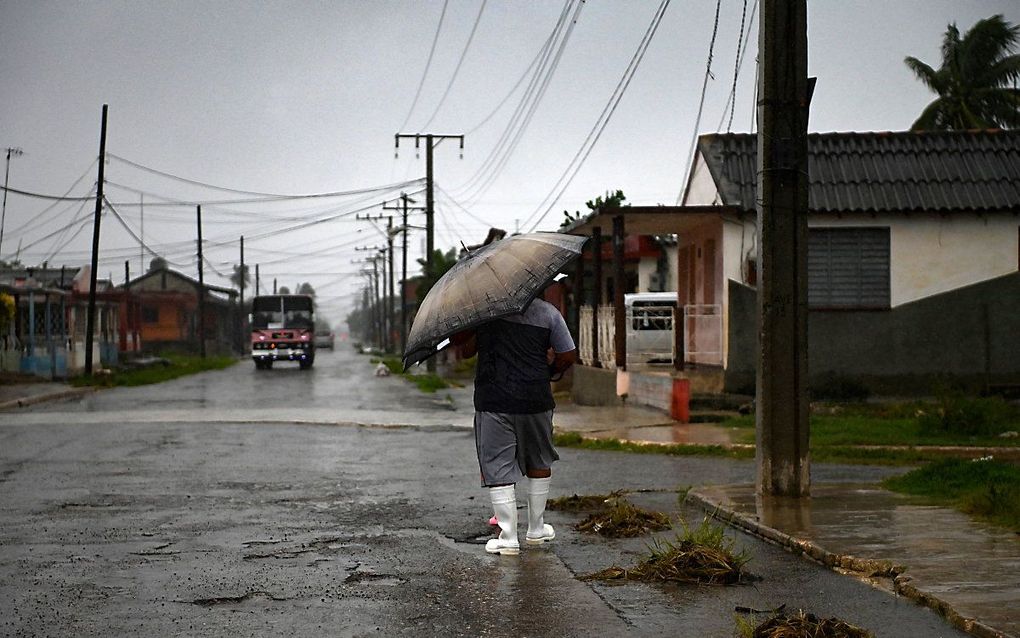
<point x="7" y="174"/>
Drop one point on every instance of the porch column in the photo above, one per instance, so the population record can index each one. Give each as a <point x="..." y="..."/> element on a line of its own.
<point x="619" y="279"/>
<point x="49" y="340"/>
<point x="578" y="295"/>
<point x="596" y="298"/>
<point x="31" y="324"/>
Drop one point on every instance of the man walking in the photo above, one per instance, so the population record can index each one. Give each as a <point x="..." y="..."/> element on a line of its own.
<point x="513" y="413"/>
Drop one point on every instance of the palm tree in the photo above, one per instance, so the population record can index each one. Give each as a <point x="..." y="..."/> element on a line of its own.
<point x="976" y="83"/>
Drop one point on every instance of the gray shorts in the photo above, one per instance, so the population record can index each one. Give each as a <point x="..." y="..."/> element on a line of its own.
<point x="510" y="444"/>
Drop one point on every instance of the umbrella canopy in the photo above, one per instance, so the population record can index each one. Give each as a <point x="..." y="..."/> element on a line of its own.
<point x="496" y="280"/>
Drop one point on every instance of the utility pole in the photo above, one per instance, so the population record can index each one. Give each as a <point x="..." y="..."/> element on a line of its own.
<point x="141" y="222"/>
<point x="11" y="151"/>
<point x="378" y="316"/>
<point x="257" y="282"/>
<point x="90" y="322"/>
<point x="201" y="287"/>
<point x="403" y="275"/>
<point x="274" y="285"/>
<point x="127" y="272"/>
<point x="781" y="414"/>
<point x="240" y="318"/>
<point x="430" y="141"/>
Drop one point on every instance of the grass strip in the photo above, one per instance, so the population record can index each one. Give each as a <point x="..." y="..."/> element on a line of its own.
<point x="427" y="382"/>
<point x="179" y="366"/>
<point x="984" y="488"/>
<point x="576" y="440"/>
<point x="860" y="426"/>
<point x="702" y="555"/>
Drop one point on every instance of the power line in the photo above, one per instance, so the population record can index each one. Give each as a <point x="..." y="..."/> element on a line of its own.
<point x="701" y="103"/>
<point x="428" y="65"/>
<point x="742" y="42"/>
<point x="516" y="122"/>
<point x="456" y="70"/>
<point x="595" y="134"/>
<point x="37" y="219"/>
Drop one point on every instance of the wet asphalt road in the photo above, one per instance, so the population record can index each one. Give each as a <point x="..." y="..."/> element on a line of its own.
<point x="194" y="508"/>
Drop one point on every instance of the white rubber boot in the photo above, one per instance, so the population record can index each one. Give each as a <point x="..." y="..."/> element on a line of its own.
<point x="504" y="504"/>
<point x="538" y="530"/>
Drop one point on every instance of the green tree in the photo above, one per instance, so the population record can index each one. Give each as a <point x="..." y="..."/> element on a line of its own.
<point x="240" y="275"/>
<point x="607" y="202"/>
<point x="976" y="82"/>
<point x="441" y="262"/>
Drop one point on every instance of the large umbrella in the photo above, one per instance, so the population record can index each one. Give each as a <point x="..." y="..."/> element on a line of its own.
<point x="494" y="281"/>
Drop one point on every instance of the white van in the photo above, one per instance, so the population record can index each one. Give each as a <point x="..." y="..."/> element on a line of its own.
<point x="650" y="326"/>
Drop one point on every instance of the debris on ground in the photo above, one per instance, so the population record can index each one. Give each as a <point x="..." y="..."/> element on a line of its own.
<point x="804" y="625"/>
<point x="701" y="555"/>
<point x="622" y="519"/>
<point x="587" y="503"/>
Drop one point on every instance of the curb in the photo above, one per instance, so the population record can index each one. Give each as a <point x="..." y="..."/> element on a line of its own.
<point x="42" y="398"/>
<point x="902" y="584"/>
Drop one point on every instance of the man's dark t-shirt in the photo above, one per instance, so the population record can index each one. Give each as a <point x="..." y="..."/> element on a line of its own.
<point x="512" y="375"/>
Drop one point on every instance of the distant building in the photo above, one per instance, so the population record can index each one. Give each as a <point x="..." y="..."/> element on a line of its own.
<point x="168" y="313"/>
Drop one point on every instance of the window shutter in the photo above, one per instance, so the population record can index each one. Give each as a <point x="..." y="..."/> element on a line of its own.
<point x="848" y="268"/>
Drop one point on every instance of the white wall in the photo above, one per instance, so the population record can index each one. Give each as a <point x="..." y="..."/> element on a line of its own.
<point x="932" y="253"/>
<point x="647" y="267"/>
<point x="702" y="191"/>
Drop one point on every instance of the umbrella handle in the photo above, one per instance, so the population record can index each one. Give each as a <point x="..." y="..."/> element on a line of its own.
<point x="555" y="376"/>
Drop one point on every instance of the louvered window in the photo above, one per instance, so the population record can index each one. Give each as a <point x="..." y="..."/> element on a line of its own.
<point x="848" y="268"/>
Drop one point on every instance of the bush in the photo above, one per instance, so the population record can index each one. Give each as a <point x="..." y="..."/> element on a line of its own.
<point x="954" y="413"/>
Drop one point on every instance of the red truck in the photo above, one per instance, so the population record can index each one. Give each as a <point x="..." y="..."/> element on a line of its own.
<point x="282" y="329"/>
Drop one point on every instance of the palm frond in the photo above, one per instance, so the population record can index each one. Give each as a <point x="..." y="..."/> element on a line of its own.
<point x="987" y="42"/>
<point x="929" y="76"/>
<point x="932" y="117"/>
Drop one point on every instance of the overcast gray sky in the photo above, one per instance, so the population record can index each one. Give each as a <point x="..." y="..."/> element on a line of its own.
<point x="305" y="97"/>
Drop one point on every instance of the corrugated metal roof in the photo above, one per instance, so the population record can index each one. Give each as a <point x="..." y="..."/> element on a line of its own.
<point x="883" y="172"/>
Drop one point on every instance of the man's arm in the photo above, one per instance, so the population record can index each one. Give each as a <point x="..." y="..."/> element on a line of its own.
<point x="562" y="361"/>
<point x="466" y="342"/>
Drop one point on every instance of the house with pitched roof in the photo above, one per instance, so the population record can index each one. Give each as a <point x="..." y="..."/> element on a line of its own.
<point x="913" y="258"/>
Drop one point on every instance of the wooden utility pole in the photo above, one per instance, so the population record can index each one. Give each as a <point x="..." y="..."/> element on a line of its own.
<point x="781" y="414"/>
<point x="201" y="287"/>
<point x="404" y="228"/>
<point x="127" y="272"/>
<point x="596" y="267"/>
<point x="257" y="282"/>
<point x="389" y="304"/>
<point x="90" y="322"/>
<point x="430" y="141"/>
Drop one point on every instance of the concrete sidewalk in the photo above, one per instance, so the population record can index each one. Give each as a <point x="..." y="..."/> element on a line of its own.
<point x="964" y="570"/>
<point x="938" y="557"/>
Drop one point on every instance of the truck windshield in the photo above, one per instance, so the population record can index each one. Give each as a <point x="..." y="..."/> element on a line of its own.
<point x="282" y="311"/>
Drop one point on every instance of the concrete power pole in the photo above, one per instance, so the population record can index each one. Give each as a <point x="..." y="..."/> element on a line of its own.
<point x="781" y="415"/>
<point x="404" y="208"/>
<point x="430" y="142"/>
<point x="201" y="286"/>
<point x="15" y="152"/>
<point x="90" y="322"/>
